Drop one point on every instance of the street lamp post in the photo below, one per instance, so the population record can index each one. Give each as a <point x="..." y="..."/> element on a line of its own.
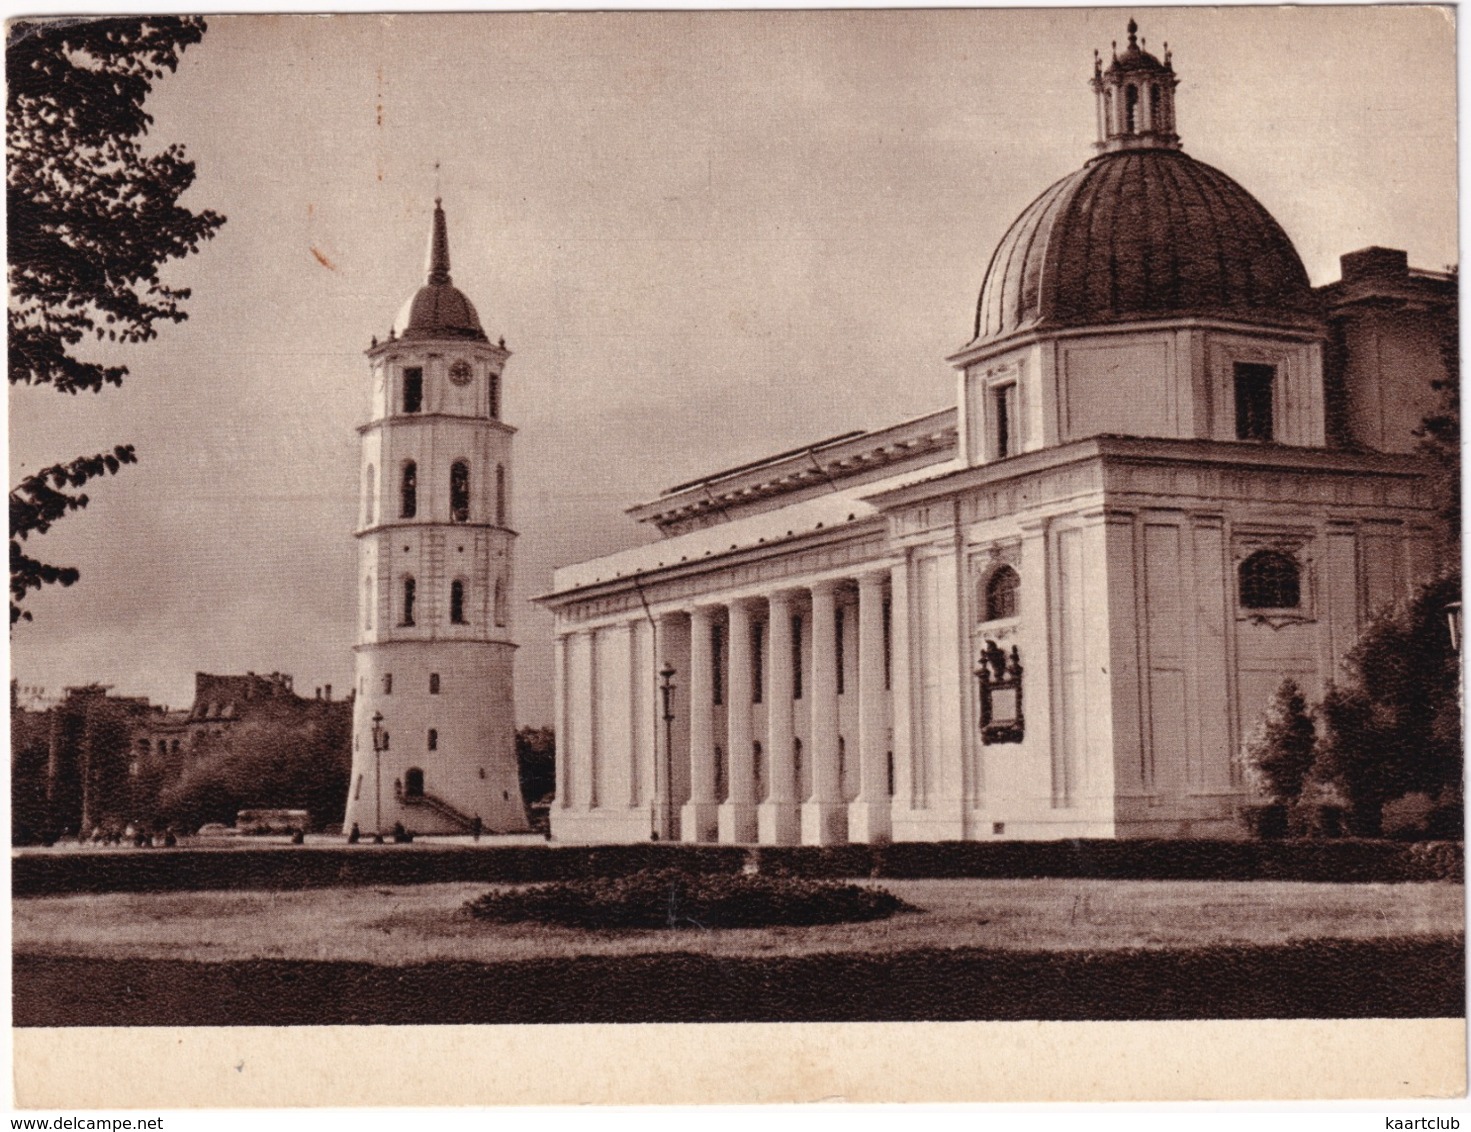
<point x="666" y="689"/>
<point x="378" y="735"/>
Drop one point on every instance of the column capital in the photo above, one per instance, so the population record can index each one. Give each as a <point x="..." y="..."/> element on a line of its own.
<point x="872" y="579"/>
<point x="824" y="586"/>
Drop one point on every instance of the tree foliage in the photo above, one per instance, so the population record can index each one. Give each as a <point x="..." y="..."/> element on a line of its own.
<point x="1280" y="753"/>
<point x="536" y="759"/>
<point x="274" y="761"/>
<point x="91" y="217"/>
<point x="1392" y="725"/>
<point x="1440" y="444"/>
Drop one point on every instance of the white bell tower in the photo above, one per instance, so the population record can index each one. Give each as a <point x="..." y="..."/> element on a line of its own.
<point x="434" y="746"/>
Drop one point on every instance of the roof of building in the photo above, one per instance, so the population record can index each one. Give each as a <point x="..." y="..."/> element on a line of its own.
<point x="1143" y="234"/>
<point x="438" y="309"/>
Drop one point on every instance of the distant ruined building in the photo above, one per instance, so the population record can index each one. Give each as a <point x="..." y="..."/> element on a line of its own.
<point x="90" y="758"/>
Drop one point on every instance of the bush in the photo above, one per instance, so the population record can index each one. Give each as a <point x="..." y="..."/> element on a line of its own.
<point x="671" y="898"/>
<point x="1279" y="753"/>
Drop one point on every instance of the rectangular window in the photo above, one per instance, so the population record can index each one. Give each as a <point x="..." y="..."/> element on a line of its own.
<point x="495" y="396"/>
<point x="797" y="657"/>
<point x="434" y="683"/>
<point x="413" y="389"/>
<point x="1254" y="385"/>
<point x="717" y="664"/>
<point x="758" y="661"/>
<point x="1003" y="405"/>
<point x="357" y="791"/>
<point x="891" y="773"/>
<point x="388" y="683"/>
<point x="433" y="739"/>
<point x="838" y="647"/>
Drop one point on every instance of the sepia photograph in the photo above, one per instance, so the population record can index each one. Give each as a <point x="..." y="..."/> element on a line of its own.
<point x="624" y="522"/>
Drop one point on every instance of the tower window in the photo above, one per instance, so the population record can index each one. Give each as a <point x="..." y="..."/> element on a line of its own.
<point x="408" y="610"/>
<point x="500" y="495"/>
<point x="434" y="683"/>
<point x="797" y="657"/>
<point x="1154" y="122"/>
<point x="370" y="496"/>
<point x="459" y="492"/>
<point x="1131" y="109"/>
<point x="500" y="602"/>
<point x="413" y="389"/>
<point x="1003" y="408"/>
<point x="388" y="683"/>
<point x="1270" y="579"/>
<point x="409" y="502"/>
<point x="368" y="602"/>
<point x="457" y="602"/>
<point x="1254" y="385"/>
<point x="1001" y="594"/>
<point x="433" y="739"/>
<point x="758" y="661"/>
<point x="495" y="396"/>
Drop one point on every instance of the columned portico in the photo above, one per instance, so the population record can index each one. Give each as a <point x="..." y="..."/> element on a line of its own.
<point x="824" y="816"/>
<point x="699" y="819"/>
<point x="776" y="817"/>
<point x="737" y="819"/>
<point x="868" y="814"/>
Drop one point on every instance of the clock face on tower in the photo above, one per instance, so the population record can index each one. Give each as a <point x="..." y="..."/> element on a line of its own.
<point x="460" y="372"/>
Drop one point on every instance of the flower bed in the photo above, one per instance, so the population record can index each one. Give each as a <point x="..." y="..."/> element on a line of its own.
<point x="671" y="898"/>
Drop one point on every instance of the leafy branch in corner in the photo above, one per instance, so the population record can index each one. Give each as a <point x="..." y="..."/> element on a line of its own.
<point x="92" y="217"/>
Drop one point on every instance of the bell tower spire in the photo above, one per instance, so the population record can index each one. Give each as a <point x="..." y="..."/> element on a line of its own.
<point x="1136" y="98"/>
<point x="438" y="267"/>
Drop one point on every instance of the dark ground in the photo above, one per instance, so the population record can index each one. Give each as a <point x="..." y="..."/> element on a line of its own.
<point x="1317" y="979"/>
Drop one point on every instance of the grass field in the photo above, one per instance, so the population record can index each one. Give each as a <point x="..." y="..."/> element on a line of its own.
<point x="423" y="923"/>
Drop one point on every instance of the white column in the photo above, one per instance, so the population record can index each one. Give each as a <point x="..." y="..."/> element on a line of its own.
<point x="699" y="817"/>
<point x="824" y="815"/>
<point x="776" y="818"/>
<point x="559" y="715"/>
<point x="738" y="813"/>
<point x="907" y="791"/>
<point x="868" y="814"/>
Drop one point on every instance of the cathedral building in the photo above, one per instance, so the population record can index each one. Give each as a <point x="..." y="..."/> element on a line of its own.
<point x="434" y="719"/>
<point x="1175" y="474"/>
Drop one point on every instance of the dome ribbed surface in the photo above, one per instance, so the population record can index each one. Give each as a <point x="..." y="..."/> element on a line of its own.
<point x="438" y="310"/>
<point x="1143" y="234"/>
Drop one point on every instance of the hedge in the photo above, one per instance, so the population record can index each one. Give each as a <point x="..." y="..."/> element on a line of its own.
<point x="1418" y="978"/>
<point x="287" y="867"/>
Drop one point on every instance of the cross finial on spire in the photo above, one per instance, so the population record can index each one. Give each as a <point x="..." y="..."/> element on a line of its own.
<point x="436" y="183"/>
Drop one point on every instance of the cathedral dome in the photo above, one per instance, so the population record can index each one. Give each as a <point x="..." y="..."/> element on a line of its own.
<point x="438" y="309"/>
<point x="1143" y="233"/>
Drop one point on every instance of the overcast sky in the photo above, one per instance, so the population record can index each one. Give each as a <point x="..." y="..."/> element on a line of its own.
<point x="705" y="237"/>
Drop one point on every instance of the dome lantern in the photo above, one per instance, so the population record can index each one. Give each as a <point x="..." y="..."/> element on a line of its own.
<point x="1136" y="99"/>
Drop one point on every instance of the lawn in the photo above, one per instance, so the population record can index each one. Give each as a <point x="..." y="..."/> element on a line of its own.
<point x="398" y="926"/>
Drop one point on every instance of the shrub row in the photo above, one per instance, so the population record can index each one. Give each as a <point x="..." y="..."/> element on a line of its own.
<point x="676" y="899"/>
<point x="284" y="867"/>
